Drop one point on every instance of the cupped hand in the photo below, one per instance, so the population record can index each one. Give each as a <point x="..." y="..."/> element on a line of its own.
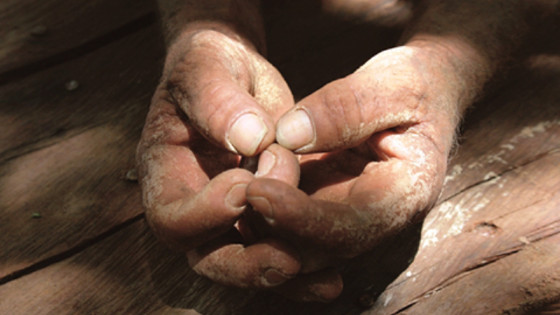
<point x="218" y="99"/>
<point x="375" y="147"/>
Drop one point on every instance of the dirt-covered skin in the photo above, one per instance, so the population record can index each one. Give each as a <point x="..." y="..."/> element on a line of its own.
<point x="218" y="98"/>
<point x="372" y="147"/>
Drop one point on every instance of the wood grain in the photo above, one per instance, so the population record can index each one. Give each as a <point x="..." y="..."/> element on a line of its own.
<point x="64" y="154"/>
<point x="74" y="239"/>
<point x="112" y="83"/>
<point x="510" y="127"/>
<point x="515" y="217"/>
<point x="33" y="31"/>
<point x="502" y="193"/>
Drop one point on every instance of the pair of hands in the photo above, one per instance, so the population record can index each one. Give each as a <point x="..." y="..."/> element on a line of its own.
<point x="372" y="152"/>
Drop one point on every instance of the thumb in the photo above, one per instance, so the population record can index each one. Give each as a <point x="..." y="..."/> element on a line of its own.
<point x="345" y="113"/>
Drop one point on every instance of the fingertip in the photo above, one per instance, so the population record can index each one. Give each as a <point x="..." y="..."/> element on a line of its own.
<point x="236" y="197"/>
<point x="262" y="205"/>
<point x="295" y="130"/>
<point x="283" y="260"/>
<point x="266" y="162"/>
<point x="247" y="134"/>
<point x="191" y="219"/>
<point x="279" y="163"/>
<point x="321" y="286"/>
<point x="331" y="288"/>
<point x="273" y="277"/>
<point x="231" y="185"/>
<point x="278" y="202"/>
<point x="261" y="192"/>
<point x="328" y="287"/>
<point x="265" y="264"/>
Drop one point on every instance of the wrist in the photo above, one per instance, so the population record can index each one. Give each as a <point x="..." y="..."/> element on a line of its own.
<point x="461" y="69"/>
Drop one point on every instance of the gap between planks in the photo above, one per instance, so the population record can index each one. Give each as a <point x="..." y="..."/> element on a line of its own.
<point x="70" y="252"/>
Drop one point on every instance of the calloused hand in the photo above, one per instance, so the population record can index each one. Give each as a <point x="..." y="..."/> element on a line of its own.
<point x="375" y="148"/>
<point x="218" y="100"/>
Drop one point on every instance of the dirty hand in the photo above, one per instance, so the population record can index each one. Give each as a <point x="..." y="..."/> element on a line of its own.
<point x="380" y="138"/>
<point x="218" y="100"/>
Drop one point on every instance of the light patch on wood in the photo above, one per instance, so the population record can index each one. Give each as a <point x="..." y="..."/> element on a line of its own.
<point x="455" y="171"/>
<point x="455" y="215"/>
<point x="388" y="299"/>
<point x="524" y="240"/>
<point x="474" y="165"/>
<point x="525" y="134"/>
<point x="531" y="132"/>
<point x="496" y="158"/>
<point x="429" y="238"/>
<point x="490" y="175"/>
<point x="508" y="146"/>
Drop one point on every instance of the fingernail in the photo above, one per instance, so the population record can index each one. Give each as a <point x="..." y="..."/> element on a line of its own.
<point x="266" y="163"/>
<point x="274" y="277"/>
<point x="246" y="134"/>
<point x="237" y="197"/>
<point x="261" y="205"/>
<point x="295" y="130"/>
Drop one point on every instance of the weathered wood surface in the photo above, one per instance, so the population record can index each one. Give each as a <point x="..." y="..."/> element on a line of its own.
<point x="35" y="34"/>
<point x="64" y="154"/>
<point x="491" y="245"/>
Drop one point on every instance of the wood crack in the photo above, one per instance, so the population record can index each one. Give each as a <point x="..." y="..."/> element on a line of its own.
<point x="549" y="230"/>
<point x="70" y="252"/>
<point x="508" y="170"/>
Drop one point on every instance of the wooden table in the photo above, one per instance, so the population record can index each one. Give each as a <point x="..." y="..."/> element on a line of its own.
<point x="76" y="79"/>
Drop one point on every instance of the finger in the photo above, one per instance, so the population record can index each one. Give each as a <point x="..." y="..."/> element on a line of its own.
<point x="215" y="85"/>
<point x="346" y="112"/>
<point x="275" y="162"/>
<point x="386" y="197"/>
<point x="264" y="264"/>
<point x="183" y="206"/>
<point x="279" y="163"/>
<point x="172" y="174"/>
<point x="184" y="218"/>
<point x="322" y="231"/>
<point x="321" y="286"/>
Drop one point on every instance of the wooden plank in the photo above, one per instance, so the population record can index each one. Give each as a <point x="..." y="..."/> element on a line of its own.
<point x="479" y="227"/>
<point x="33" y="31"/>
<point x="108" y="278"/>
<point x="68" y="151"/>
<point x="130" y="272"/>
<point x="515" y="284"/>
<point x="65" y="153"/>
<point x="112" y="81"/>
<point x="501" y="191"/>
<point x="510" y="127"/>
